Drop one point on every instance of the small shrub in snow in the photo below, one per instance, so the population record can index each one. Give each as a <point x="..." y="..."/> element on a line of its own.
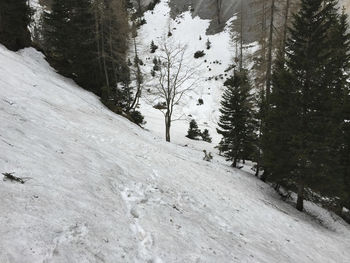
<point x="141" y="23"/>
<point x="208" y="43"/>
<point x="154" y="47"/>
<point x="205" y="136"/>
<point x="193" y="132"/>
<point x="207" y="156"/>
<point x="199" y="54"/>
<point x="156" y="63"/>
<point x="136" y="117"/>
<point x="160" y="106"/>
<point x="12" y="178"/>
<point x="200" y="102"/>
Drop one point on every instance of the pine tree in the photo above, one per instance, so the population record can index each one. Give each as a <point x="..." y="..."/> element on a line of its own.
<point x="58" y="36"/>
<point x="277" y="140"/>
<point x="301" y="138"/>
<point x="340" y="89"/>
<point x="84" y="59"/>
<point x="237" y="123"/>
<point x="88" y="41"/>
<point x="345" y="153"/>
<point x="205" y="136"/>
<point x="15" y="16"/>
<point x="112" y="31"/>
<point x="193" y="131"/>
<point x="208" y="44"/>
<point x="154" y="47"/>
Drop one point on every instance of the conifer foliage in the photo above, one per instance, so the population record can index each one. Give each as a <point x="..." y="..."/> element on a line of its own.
<point x="15" y="16"/>
<point x="206" y="136"/>
<point x="305" y="142"/>
<point x="237" y="122"/>
<point x="88" y="41"/>
<point x="193" y="131"/>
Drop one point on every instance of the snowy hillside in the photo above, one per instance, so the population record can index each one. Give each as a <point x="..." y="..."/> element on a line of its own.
<point x="100" y="189"/>
<point x="211" y="68"/>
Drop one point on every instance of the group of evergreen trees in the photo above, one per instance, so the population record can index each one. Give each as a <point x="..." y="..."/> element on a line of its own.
<point x="82" y="39"/>
<point x="299" y="128"/>
<point x="194" y="132"/>
<point x="237" y="123"/>
<point x="298" y="132"/>
<point x="305" y="145"/>
<point x="88" y="41"/>
<point x="15" y="16"/>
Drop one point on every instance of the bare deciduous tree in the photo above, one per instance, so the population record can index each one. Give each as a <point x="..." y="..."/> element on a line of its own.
<point x="174" y="79"/>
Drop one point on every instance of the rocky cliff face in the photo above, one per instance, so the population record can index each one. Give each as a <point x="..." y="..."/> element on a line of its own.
<point x="207" y="9"/>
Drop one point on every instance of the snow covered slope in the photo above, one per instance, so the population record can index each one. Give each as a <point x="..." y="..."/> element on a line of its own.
<point x="188" y="31"/>
<point x="100" y="189"/>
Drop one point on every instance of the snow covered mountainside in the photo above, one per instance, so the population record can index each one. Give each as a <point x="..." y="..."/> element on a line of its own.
<point x="188" y="31"/>
<point x="100" y="189"/>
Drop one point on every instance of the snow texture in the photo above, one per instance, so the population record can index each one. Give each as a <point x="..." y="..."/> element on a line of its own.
<point x="100" y="189"/>
<point x="189" y="31"/>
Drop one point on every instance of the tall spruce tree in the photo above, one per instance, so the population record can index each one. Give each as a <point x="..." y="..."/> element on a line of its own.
<point x="277" y="140"/>
<point x="193" y="131"/>
<point x="87" y="40"/>
<point x="302" y="140"/>
<point x="345" y="153"/>
<point x="70" y="42"/>
<point x="236" y="123"/>
<point x="83" y="55"/>
<point x="15" y="16"/>
<point x="58" y="36"/>
<point x="341" y="109"/>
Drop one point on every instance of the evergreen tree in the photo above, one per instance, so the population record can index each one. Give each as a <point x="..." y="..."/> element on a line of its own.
<point x="193" y="131"/>
<point x="302" y="139"/>
<point x="205" y="136"/>
<point x="88" y="41"/>
<point x="154" y="47"/>
<point x="237" y="122"/>
<point x="345" y="153"/>
<point x="58" y="36"/>
<point x="15" y="16"/>
<point x="208" y="44"/>
<point x="277" y="140"/>
<point x="341" y="110"/>
<point x="85" y="65"/>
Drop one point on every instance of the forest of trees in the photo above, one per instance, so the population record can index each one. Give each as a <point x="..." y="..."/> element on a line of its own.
<point x="15" y="17"/>
<point x="289" y="114"/>
<point x="297" y="127"/>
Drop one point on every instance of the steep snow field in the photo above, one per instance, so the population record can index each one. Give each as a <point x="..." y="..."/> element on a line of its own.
<point x="190" y="32"/>
<point x="100" y="189"/>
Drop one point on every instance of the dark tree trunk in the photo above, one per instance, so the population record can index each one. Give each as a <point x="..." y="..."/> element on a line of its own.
<point x="257" y="169"/>
<point x="285" y="27"/>
<point x="300" y="200"/>
<point x="234" y="162"/>
<point x="167" y="127"/>
<point x="264" y="175"/>
<point x="269" y="55"/>
<point x="218" y="10"/>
